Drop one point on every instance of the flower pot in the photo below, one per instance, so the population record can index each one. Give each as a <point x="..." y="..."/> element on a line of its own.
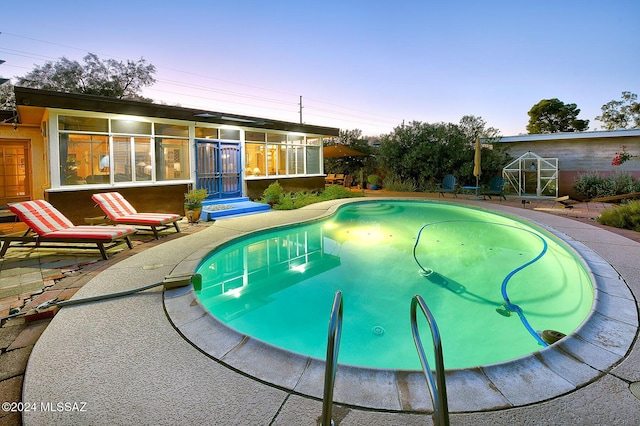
<point x="192" y="212"/>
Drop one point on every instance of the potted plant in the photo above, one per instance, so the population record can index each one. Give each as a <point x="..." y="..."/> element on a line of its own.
<point x="193" y="204"/>
<point x="272" y="193"/>
<point x="373" y="181"/>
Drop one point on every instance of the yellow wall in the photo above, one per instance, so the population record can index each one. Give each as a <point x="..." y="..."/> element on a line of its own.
<point x="39" y="164"/>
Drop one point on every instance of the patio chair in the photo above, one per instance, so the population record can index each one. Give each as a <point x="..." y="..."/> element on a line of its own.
<point x="331" y="177"/>
<point x="448" y="185"/>
<point x="496" y="187"/>
<point x="48" y="225"/>
<point x="120" y="211"/>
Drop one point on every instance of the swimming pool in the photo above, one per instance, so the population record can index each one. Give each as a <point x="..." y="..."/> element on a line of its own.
<point x="278" y="285"/>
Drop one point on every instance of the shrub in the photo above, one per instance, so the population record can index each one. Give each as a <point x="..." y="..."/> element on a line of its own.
<point x="625" y="216"/>
<point x="394" y="183"/>
<point x="593" y="185"/>
<point x="334" y="192"/>
<point x="291" y="201"/>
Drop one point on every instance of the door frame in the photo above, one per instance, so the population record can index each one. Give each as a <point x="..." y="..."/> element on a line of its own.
<point x="221" y="177"/>
<point x="26" y="174"/>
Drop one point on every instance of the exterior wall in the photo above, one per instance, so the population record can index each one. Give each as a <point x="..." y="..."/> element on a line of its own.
<point x="39" y="176"/>
<point x="255" y="188"/>
<point x="77" y="204"/>
<point x="581" y="155"/>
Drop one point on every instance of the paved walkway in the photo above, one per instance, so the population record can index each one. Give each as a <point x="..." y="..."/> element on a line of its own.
<point x="26" y="281"/>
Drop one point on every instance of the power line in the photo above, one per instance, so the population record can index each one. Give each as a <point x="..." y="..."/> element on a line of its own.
<point x="367" y="118"/>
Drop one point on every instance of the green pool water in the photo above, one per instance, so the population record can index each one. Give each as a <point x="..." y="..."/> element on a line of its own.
<point x="278" y="285"/>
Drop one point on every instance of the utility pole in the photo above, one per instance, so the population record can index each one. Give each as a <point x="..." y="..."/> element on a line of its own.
<point x="300" y="109"/>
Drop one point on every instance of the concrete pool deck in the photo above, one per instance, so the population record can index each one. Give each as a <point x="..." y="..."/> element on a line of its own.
<point x="128" y="363"/>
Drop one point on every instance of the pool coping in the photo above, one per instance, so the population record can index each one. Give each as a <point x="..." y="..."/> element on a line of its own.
<point x="598" y="345"/>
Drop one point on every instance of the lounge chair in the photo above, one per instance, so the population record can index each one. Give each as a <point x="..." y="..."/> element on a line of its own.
<point x="120" y="211"/>
<point x="448" y="185"/>
<point x="496" y="187"/>
<point x="47" y="225"/>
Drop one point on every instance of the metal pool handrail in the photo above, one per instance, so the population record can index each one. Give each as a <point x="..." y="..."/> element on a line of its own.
<point x="333" y="347"/>
<point x="437" y="386"/>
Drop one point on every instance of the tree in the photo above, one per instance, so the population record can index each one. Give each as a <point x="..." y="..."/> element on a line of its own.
<point x="7" y="98"/>
<point x="475" y="127"/>
<point x="110" y="78"/>
<point x="553" y="116"/>
<point x="622" y="114"/>
<point x="424" y="153"/>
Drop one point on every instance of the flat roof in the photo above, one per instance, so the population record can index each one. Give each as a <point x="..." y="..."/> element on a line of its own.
<point x="27" y="99"/>
<point x="571" y="135"/>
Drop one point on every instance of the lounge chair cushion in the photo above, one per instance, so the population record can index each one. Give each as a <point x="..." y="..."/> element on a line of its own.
<point x="90" y="232"/>
<point x="41" y="216"/>
<point x="47" y="221"/>
<point x="119" y="210"/>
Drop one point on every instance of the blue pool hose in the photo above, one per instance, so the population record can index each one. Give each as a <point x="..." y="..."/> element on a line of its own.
<point x="507" y="305"/>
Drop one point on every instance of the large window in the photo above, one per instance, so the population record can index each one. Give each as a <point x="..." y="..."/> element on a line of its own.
<point x="115" y="151"/>
<point x="84" y="159"/>
<point x="280" y="154"/>
<point x="131" y="159"/>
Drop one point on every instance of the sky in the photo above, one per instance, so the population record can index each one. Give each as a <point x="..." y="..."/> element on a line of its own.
<point x="368" y="65"/>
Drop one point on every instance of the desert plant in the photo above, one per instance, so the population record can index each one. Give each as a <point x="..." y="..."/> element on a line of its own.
<point x="394" y="183"/>
<point x="625" y="216"/>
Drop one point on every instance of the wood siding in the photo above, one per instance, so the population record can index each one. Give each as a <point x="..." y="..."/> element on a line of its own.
<point x="77" y="204"/>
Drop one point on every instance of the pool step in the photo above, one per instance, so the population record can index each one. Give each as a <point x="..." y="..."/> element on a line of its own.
<point x="230" y="207"/>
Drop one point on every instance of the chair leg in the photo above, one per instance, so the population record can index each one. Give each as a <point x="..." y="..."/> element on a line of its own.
<point x="155" y="232"/>
<point x="103" y="252"/>
<point x="176" y="226"/>
<point x="5" y="247"/>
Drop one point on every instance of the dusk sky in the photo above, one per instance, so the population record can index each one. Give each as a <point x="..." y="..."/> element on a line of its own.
<point x="365" y="65"/>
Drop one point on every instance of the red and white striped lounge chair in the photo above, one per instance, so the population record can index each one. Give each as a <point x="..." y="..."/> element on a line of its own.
<point x="120" y="211"/>
<point x="47" y="225"/>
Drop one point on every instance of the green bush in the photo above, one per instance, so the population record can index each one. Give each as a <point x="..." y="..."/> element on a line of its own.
<point x="394" y="183"/>
<point x="625" y="216"/>
<point x="334" y="192"/>
<point x="593" y="185"/>
<point x="291" y="201"/>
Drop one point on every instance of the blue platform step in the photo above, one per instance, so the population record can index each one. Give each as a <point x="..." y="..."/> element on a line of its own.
<point x="229" y="207"/>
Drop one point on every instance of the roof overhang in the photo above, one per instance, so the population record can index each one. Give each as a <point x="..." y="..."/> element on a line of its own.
<point x="31" y="102"/>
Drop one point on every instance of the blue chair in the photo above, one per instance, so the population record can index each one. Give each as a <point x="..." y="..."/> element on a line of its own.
<point x="448" y="185"/>
<point x="496" y="187"/>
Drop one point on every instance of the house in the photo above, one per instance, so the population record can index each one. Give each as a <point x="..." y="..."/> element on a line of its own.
<point x="549" y="164"/>
<point x="65" y="147"/>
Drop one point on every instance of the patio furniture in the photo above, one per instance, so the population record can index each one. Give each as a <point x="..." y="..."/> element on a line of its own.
<point x="120" y="211"/>
<point x="496" y="187"/>
<point x="328" y="180"/>
<point x="48" y="225"/>
<point x="448" y="185"/>
<point x="471" y="190"/>
<point x="334" y="179"/>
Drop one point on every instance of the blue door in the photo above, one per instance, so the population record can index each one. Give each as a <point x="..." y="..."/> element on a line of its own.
<point x="218" y="168"/>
